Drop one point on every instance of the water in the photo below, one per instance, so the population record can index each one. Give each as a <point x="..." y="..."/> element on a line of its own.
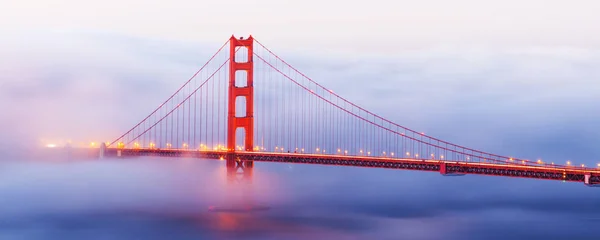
<point x="158" y="198"/>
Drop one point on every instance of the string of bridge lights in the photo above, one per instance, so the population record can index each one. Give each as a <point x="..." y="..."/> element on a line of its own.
<point x="280" y="149"/>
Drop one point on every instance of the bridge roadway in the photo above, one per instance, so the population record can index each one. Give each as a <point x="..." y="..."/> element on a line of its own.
<point x="562" y="173"/>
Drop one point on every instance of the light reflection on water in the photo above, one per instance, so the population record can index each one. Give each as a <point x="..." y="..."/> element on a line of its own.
<point x="161" y="198"/>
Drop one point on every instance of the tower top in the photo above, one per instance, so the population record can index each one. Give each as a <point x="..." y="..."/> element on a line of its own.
<point x="241" y="38"/>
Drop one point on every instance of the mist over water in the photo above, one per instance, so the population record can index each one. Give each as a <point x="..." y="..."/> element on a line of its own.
<point x="157" y="198"/>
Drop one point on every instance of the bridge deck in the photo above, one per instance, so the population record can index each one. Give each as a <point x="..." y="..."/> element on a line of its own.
<point x="564" y="173"/>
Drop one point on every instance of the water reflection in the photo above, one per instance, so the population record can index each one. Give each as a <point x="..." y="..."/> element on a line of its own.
<point x="157" y="198"/>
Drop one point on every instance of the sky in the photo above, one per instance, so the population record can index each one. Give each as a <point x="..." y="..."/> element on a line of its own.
<point x="378" y="25"/>
<point x="512" y="77"/>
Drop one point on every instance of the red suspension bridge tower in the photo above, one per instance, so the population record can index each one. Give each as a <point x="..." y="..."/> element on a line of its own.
<point x="245" y="89"/>
<point x="241" y="75"/>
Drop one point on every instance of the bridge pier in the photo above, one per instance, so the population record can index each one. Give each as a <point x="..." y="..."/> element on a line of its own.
<point x="239" y="184"/>
<point x="444" y="170"/>
<point x="239" y="171"/>
<point x="102" y="150"/>
<point x="587" y="180"/>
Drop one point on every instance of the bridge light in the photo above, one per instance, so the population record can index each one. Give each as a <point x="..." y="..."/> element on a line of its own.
<point x="92" y="144"/>
<point x="50" y="145"/>
<point x="539" y="161"/>
<point x="303" y="150"/>
<point x="442" y="156"/>
<point x="369" y="153"/>
<point x="317" y="149"/>
<point x="346" y="152"/>
<point x="339" y="150"/>
<point x="393" y="154"/>
<point x="510" y="159"/>
<point x="383" y="153"/>
<point x="407" y="153"/>
<point x="599" y="165"/>
<point x="416" y="155"/>
<point x="568" y="163"/>
<point x="582" y="165"/>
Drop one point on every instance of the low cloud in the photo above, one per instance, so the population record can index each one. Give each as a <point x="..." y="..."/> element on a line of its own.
<point x="169" y="197"/>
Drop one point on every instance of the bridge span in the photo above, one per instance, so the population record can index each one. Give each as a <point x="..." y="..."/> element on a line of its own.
<point x="560" y="173"/>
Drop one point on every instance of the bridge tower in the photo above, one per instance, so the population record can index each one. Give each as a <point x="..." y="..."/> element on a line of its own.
<point x="240" y="65"/>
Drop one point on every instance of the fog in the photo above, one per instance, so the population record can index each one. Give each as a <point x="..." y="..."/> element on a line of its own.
<point x="160" y="197"/>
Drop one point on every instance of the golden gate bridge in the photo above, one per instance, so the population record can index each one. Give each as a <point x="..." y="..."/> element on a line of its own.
<point x="290" y="118"/>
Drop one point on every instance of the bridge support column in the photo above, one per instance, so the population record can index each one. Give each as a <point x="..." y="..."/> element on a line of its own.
<point x="586" y="179"/>
<point x="239" y="171"/>
<point x="102" y="150"/>
<point x="245" y="90"/>
<point x="443" y="170"/>
<point x="239" y="192"/>
<point x="235" y="166"/>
